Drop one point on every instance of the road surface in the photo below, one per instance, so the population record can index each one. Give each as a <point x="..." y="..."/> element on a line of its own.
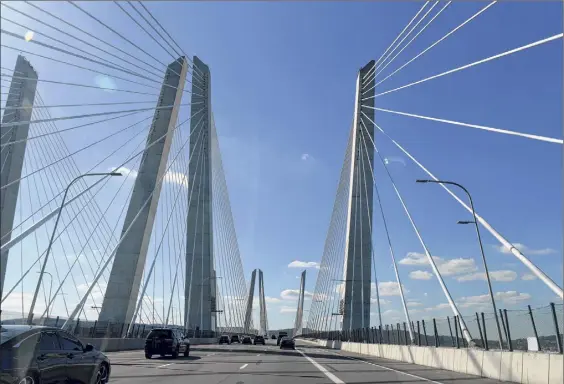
<point x="250" y="364"/>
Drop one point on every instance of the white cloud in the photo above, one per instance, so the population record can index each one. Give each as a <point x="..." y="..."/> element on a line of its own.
<point x="306" y="157"/>
<point x="438" y="307"/>
<point x="126" y="172"/>
<point x="525" y="249"/>
<point x="448" y="267"/>
<point x="512" y="297"/>
<point x="416" y="258"/>
<point x="292" y="294"/>
<point x="502" y="276"/>
<point x="382" y="301"/>
<point x="414" y="304"/>
<point x="389" y="288"/>
<point x="170" y="177"/>
<point x="528" y="276"/>
<point x="508" y="297"/>
<point x="303" y="264"/>
<point x="272" y="300"/>
<point x="288" y="309"/>
<point x="420" y="275"/>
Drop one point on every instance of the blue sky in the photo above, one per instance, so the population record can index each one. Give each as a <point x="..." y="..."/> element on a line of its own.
<point x="283" y="83"/>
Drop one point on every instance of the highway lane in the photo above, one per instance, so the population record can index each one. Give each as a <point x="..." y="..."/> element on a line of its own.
<point x="238" y="364"/>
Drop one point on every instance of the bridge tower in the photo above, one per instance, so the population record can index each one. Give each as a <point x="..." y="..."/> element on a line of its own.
<point x="19" y="106"/>
<point x="262" y="304"/>
<point x="358" y="240"/>
<point x="200" y="310"/>
<point x="298" y="324"/>
<point x="250" y="298"/>
<point x="125" y="278"/>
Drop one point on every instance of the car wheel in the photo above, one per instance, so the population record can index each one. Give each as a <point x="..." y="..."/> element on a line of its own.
<point x="27" y="380"/>
<point x="102" y="374"/>
<point x="148" y="355"/>
<point x="175" y="353"/>
<point x="187" y="352"/>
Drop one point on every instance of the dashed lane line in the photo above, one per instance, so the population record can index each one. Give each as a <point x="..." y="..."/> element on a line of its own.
<point x="243" y="366"/>
<point x="164" y="365"/>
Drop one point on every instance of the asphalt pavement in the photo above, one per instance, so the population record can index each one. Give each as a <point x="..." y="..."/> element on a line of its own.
<point x="257" y="364"/>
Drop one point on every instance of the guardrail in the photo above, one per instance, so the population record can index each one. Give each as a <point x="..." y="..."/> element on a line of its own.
<point x="536" y="329"/>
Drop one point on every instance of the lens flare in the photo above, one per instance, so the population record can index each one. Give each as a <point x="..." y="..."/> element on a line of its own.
<point x="28" y="36"/>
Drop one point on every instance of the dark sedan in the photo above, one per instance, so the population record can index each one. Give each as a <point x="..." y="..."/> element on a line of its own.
<point x="287" y="343"/>
<point x="247" y="340"/>
<point x="34" y="354"/>
<point x="259" y="340"/>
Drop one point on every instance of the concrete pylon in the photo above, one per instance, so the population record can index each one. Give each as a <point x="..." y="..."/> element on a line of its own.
<point x="298" y="324"/>
<point x="262" y="303"/>
<point x="125" y="278"/>
<point x="201" y="280"/>
<point x="358" y="246"/>
<point x="250" y="298"/>
<point x="21" y="94"/>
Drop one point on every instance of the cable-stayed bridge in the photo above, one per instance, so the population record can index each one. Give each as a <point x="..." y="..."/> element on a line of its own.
<point x="116" y="215"/>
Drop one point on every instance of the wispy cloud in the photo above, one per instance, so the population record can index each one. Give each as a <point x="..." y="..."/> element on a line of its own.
<point x="292" y="294"/>
<point x="288" y="309"/>
<point x="388" y="288"/>
<point x="528" y="276"/>
<point x="501" y="276"/>
<point x="306" y="157"/>
<point x="525" y="249"/>
<point x="508" y="297"/>
<point x="303" y="264"/>
<point x="447" y="267"/>
<point x="394" y="159"/>
<point x="170" y="177"/>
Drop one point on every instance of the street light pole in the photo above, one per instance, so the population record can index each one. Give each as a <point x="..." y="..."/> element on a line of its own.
<point x="30" y="315"/>
<point x="481" y="247"/>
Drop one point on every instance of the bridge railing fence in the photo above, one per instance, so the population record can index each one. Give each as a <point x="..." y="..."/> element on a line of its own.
<point x="538" y="329"/>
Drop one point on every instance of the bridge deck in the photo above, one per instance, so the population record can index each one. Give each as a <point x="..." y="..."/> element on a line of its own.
<point x="239" y="364"/>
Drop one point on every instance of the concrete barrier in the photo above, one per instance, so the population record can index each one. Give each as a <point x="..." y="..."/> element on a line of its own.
<point x="517" y="366"/>
<point x="115" y="345"/>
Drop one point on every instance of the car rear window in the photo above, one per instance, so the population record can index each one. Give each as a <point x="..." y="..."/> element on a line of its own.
<point x="160" y="333"/>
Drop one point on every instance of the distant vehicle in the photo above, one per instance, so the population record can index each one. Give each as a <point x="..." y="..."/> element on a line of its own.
<point x="287" y="343"/>
<point x="224" y="339"/>
<point x="235" y="339"/>
<point x="247" y="340"/>
<point x="34" y="354"/>
<point x="273" y="337"/>
<point x="280" y="336"/>
<point x="166" y="341"/>
<point x="259" y="340"/>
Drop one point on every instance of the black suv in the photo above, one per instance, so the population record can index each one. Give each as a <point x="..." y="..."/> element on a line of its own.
<point x="224" y="339"/>
<point x="235" y="339"/>
<point x="165" y="341"/>
<point x="259" y="340"/>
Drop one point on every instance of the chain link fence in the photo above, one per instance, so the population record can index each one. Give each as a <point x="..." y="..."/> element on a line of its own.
<point x="531" y="329"/>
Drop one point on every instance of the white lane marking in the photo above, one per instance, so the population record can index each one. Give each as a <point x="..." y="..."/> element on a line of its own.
<point x="331" y="376"/>
<point x="391" y="369"/>
<point x="164" y="365"/>
<point x="258" y="354"/>
<point x="243" y="366"/>
<point x="210" y="354"/>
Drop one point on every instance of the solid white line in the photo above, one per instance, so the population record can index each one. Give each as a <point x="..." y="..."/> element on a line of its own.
<point x="390" y="369"/>
<point x="243" y="366"/>
<point x="331" y="376"/>
<point x="164" y="365"/>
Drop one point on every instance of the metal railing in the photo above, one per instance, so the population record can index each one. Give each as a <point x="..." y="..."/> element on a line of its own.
<point x="538" y="329"/>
